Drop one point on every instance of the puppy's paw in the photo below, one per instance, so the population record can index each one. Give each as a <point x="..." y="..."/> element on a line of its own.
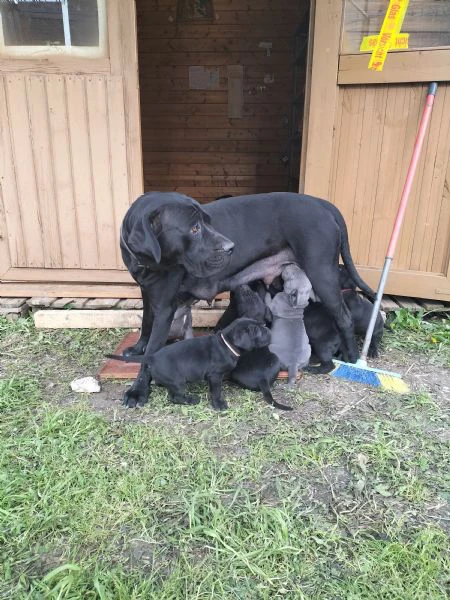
<point x="373" y="353"/>
<point x="219" y="405"/>
<point x="137" y="349"/>
<point x="134" y="398"/>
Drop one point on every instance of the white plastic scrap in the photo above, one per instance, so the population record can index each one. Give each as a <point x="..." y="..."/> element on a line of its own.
<point x="87" y="385"/>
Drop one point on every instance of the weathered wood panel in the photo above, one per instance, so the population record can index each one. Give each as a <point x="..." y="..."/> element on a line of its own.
<point x="375" y="131"/>
<point x="65" y="165"/>
<point x="189" y="143"/>
<point x="71" y="160"/>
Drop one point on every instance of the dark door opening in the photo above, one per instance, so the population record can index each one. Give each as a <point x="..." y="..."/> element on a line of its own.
<point x="222" y="95"/>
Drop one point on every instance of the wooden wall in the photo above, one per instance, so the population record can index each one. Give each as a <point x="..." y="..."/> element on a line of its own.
<point x="189" y="143"/>
<point x="375" y="129"/>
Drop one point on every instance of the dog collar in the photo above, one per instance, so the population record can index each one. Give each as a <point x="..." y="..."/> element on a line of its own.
<point x="229" y="346"/>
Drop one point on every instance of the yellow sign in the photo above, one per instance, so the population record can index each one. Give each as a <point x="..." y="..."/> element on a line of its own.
<point x="391" y="27"/>
<point x="370" y="41"/>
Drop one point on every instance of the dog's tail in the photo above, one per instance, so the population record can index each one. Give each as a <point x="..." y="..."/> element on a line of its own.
<point x="346" y="255"/>
<point x="133" y="358"/>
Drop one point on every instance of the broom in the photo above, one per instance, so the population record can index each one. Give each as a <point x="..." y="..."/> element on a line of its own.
<point x="360" y="372"/>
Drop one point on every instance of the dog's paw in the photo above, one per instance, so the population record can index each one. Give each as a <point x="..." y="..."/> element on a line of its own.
<point x="137" y="349"/>
<point x="134" y="398"/>
<point x="219" y="405"/>
<point x="373" y="353"/>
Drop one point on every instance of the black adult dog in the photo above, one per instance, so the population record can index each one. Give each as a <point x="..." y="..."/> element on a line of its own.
<point x="208" y="357"/>
<point x="166" y="237"/>
<point x="323" y="334"/>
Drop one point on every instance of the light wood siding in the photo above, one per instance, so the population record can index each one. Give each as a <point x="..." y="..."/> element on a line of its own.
<point x="64" y="141"/>
<point x="375" y="130"/>
<point x="189" y="143"/>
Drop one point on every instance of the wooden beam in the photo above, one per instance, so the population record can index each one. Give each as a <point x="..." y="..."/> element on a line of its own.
<point x="104" y="319"/>
<point x="400" y="67"/>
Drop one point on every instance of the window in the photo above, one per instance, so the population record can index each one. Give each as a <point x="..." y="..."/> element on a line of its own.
<point x="427" y="22"/>
<point x="31" y="28"/>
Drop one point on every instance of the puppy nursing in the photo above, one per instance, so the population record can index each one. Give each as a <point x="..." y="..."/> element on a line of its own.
<point x="289" y="340"/>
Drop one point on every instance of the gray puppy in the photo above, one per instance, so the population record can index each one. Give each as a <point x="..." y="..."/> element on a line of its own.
<point x="181" y="327"/>
<point x="289" y="340"/>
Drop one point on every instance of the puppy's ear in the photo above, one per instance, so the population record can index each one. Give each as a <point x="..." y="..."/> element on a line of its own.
<point x="142" y="238"/>
<point x="242" y="339"/>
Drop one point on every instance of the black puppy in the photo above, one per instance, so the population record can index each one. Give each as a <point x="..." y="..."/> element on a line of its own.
<point x="172" y="246"/>
<point x="323" y="334"/>
<point x="246" y="301"/>
<point x="208" y="358"/>
<point x="256" y="370"/>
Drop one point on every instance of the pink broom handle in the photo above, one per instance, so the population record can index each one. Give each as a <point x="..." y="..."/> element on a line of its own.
<point x="399" y="219"/>
<point x="412" y="168"/>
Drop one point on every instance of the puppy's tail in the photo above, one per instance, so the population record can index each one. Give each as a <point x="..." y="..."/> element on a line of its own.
<point x="346" y="255"/>
<point x="133" y="358"/>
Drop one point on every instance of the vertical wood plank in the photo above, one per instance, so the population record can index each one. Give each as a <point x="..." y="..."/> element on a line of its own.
<point x="385" y="206"/>
<point x="441" y="157"/>
<point x="81" y="171"/>
<point x="126" y="11"/>
<point x="19" y="122"/>
<point x="367" y="176"/>
<point x="323" y="96"/>
<point x="406" y="240"/>
<point x="43" y="168"/>
<point x="118" y="145"/>
<point x="441" y="250"/>
<point x="12" y="248"/>
<point x="97" y="115"/>
<point x="62" y="170"/>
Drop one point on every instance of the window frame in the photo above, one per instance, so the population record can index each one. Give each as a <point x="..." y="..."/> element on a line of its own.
<point x="60" y="52"/>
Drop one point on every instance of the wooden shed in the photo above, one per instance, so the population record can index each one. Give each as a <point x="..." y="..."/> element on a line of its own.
<point x="102" y="99"/>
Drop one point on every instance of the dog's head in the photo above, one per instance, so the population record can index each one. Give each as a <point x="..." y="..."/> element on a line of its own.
<point x="250" y="304"/>
<point x="345" y="281"/>
<point x="296" y="285"/>
<point x="247" y="334"/>
<point x="179" y="232"/>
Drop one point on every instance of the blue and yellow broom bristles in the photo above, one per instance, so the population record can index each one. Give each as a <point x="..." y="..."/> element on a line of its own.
<point x="375" y="377"/>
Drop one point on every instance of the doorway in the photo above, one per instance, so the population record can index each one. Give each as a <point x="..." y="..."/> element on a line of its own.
<point x="222" y="94"/>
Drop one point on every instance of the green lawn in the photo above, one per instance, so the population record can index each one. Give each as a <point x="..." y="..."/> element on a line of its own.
<point x="345" y="498"/>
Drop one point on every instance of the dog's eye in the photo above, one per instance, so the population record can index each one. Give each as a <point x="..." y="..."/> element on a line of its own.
<point x="195" y="229"/>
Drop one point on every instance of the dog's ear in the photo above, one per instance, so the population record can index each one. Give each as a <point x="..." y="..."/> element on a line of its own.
<point x="142" y="238"/>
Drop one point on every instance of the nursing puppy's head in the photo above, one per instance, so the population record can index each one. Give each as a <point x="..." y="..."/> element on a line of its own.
<point x="296" y="285"/>
<point x="250" y="304"/>
<point x="179" y="233"/>
<point x="246" y="334"/>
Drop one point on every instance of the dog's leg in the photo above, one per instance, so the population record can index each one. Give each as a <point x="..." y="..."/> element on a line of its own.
<point x="267" y="394"/>
<point x="325" y="282"/>
<point x="215" y="392"/>
<point x="162" y="292"/>
<point x="146" y="327"/>
<point x="177" y="395"/>
<point x="292" y="372"/>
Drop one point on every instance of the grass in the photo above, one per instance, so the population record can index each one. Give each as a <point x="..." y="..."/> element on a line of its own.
<point x="180" y="502"/>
